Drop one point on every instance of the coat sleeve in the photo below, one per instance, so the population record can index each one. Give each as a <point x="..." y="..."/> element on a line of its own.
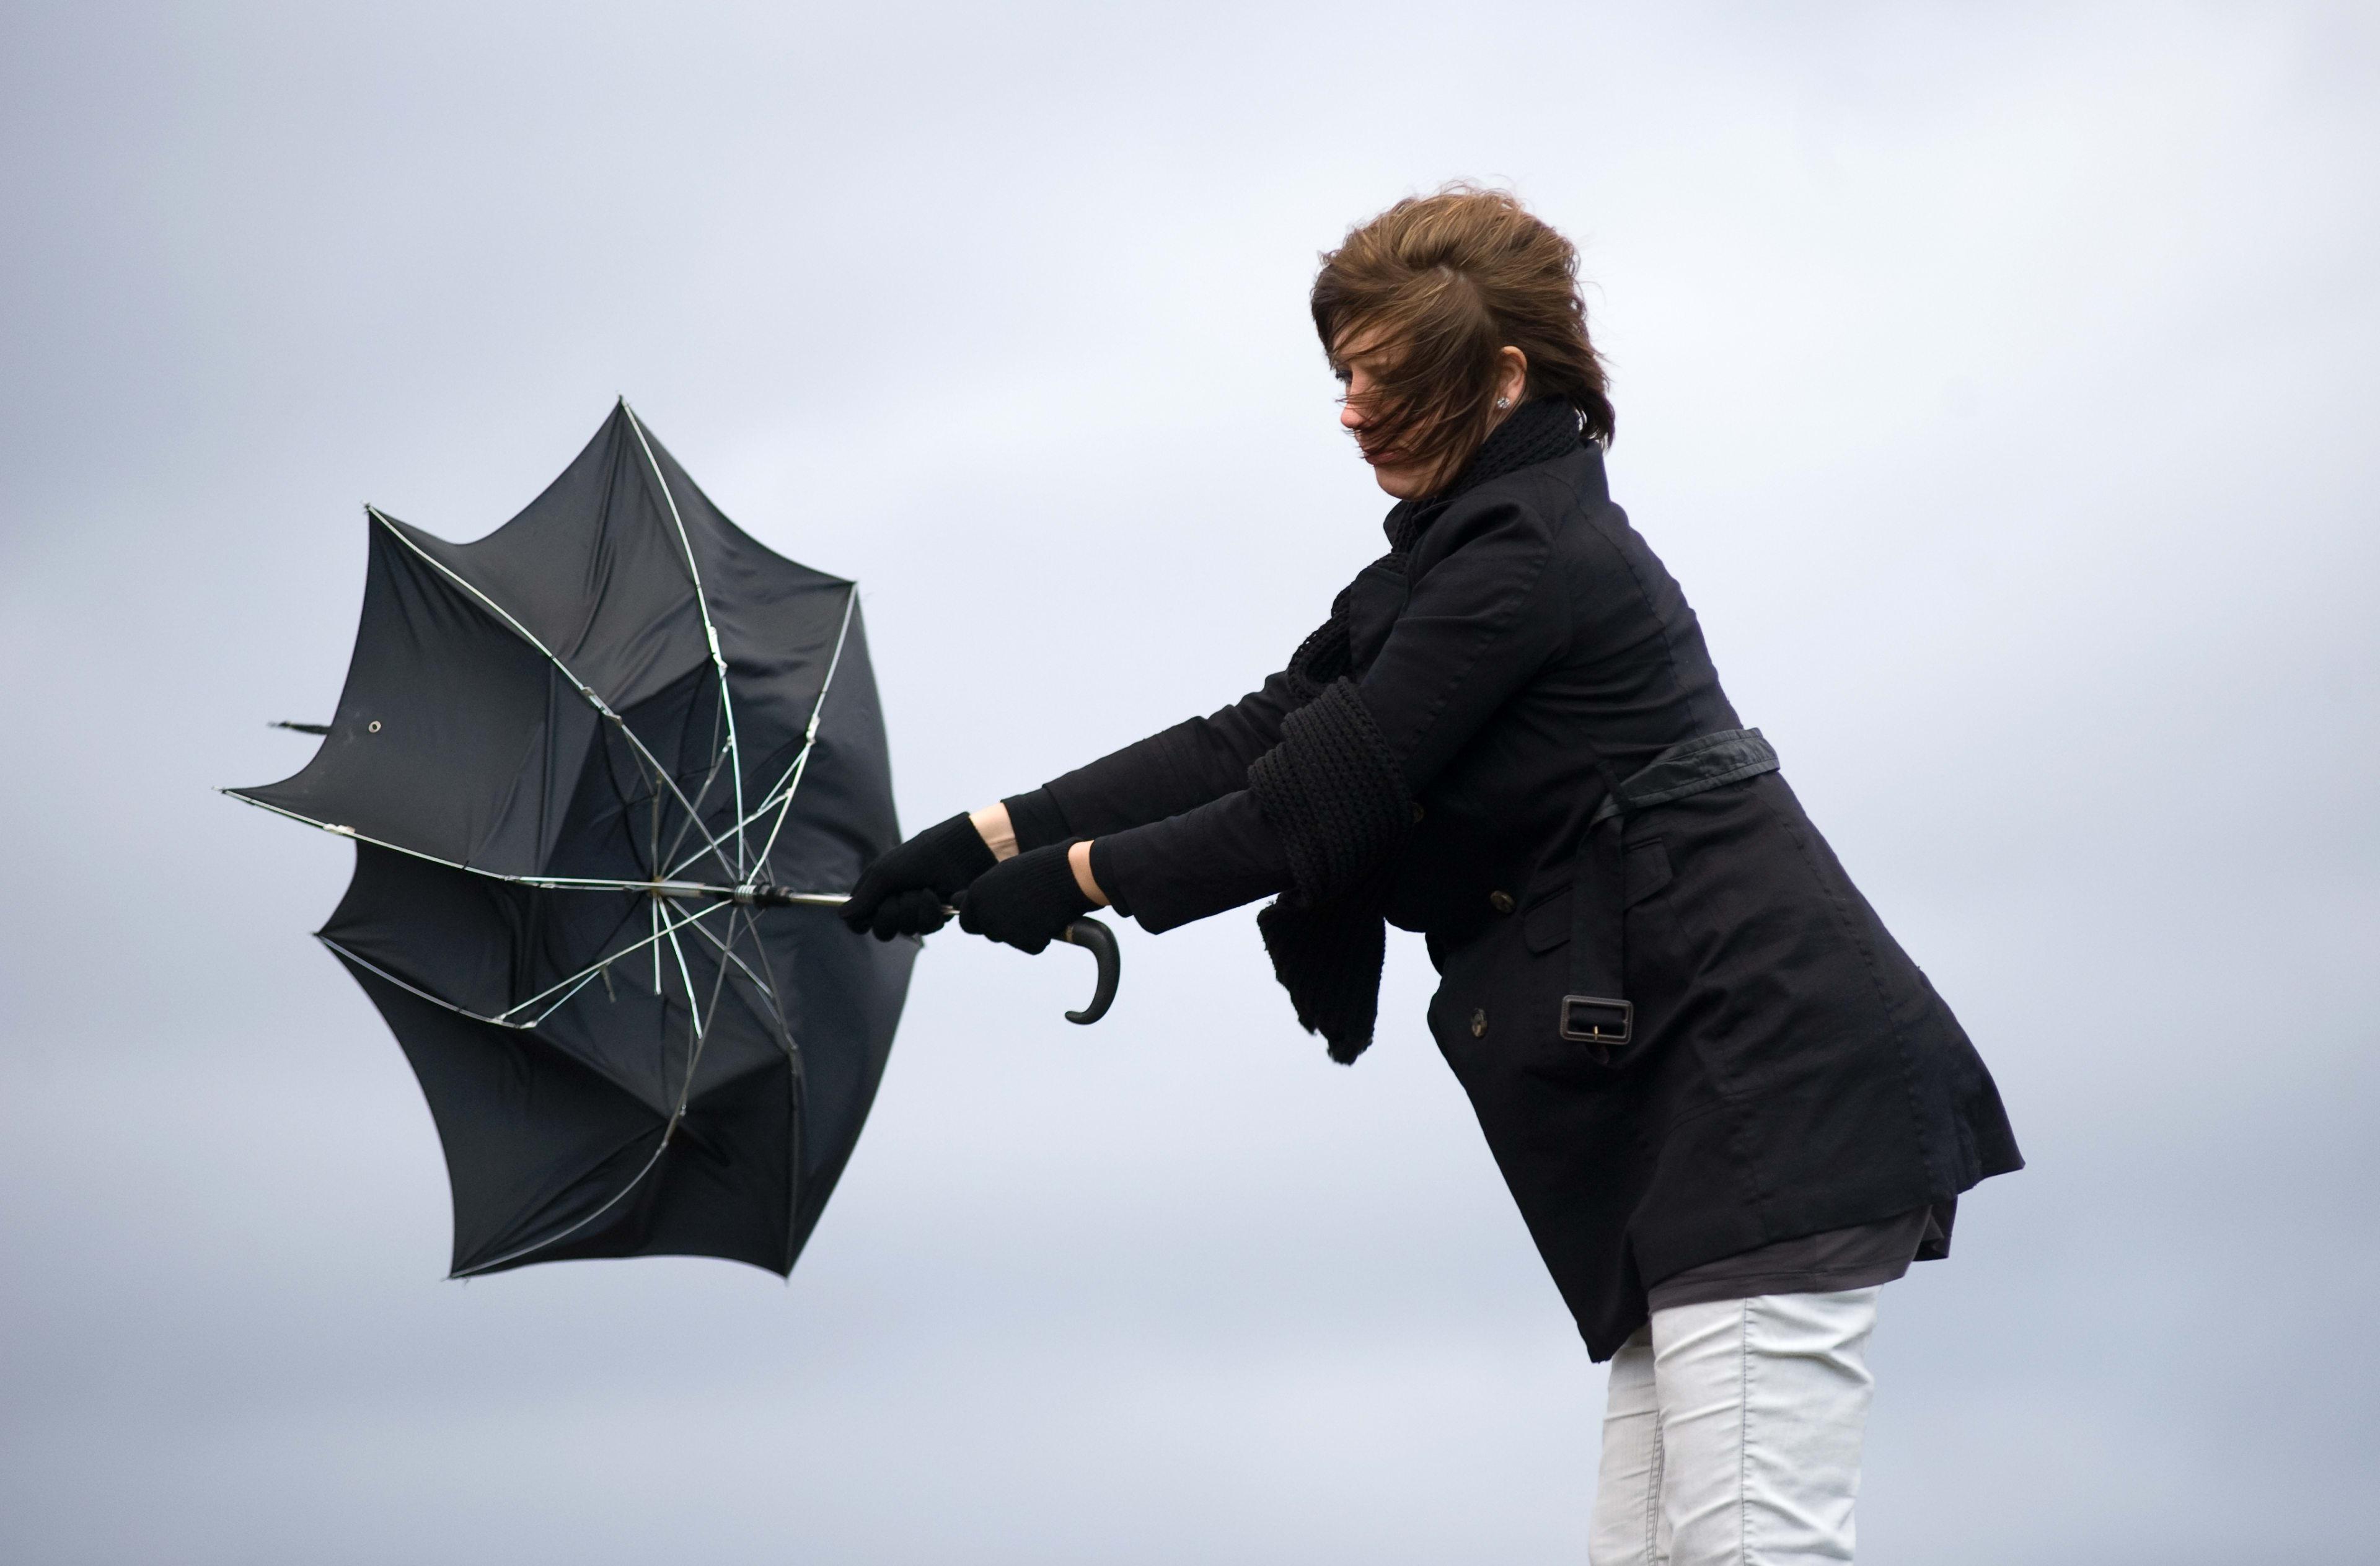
<point x="1161" y="776"/>
<point x="1480" y="624"/>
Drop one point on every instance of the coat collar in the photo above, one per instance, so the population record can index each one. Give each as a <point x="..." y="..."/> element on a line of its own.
<point x="1535" y="433"/>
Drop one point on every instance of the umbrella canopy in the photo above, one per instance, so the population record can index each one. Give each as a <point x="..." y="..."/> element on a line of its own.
<point x="606" y="770"/>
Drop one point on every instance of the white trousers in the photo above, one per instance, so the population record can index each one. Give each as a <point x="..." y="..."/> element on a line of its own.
<point x="1731" y="1435"/>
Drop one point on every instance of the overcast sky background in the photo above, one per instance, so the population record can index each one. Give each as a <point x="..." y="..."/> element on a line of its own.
<point x="1999" y="382"/>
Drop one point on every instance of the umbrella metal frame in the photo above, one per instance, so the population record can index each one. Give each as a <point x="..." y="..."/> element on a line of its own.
<point x="740" y="894"/>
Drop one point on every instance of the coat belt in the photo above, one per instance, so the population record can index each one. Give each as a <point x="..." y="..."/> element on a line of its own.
<point x="1596" y="1011"/>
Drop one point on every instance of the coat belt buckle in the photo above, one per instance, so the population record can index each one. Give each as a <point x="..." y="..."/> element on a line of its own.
<point x="1598" y="1019"/>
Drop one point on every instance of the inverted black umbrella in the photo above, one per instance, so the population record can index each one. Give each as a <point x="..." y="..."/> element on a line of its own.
<point x="606" y="771"/>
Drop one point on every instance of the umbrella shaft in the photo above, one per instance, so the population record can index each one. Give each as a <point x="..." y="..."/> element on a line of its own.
<point x="763" y="896"/>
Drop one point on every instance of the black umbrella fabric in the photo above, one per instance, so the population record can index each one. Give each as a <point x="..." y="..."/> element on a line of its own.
<point x="607" y="771"/>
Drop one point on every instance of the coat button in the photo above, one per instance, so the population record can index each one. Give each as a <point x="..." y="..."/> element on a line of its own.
<point x="1500" y="901"/>
<point x="1479" y="1024"/>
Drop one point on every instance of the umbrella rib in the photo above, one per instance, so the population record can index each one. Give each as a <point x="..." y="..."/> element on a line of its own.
<point x="809" y="734"/>
<point x="688" y="825"/>
<point x="767" y="991"/>
<point x="585" y="689"/>
<point x="634" y="1181"/>
<point x="780" y="795"/>
<point x="653" y="830"/>
<point x="369" y="965"/>
<point x="584" y="980"/>
<point x="727" y="950"/>
<point x="581" y="980"/>
<point x="544" y="884"/>
<point x="718" y="990"/>
<point x="755" y="815"/>
<point x="694" y="819"/>
<point x="783" y="802"/>
<point x="695" y="1020"/>
<point x="585" y="976"/>
<point x="691" y="822"/>
<point x="709" y="631"/>
<point x="577" y="981"/>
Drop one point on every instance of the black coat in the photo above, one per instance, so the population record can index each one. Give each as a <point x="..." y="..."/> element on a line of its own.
<point x="1792" y="1070"/>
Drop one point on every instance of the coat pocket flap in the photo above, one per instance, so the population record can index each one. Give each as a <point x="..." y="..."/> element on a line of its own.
<point x="1648" y="869"/>
<point x="1546" y="925"/>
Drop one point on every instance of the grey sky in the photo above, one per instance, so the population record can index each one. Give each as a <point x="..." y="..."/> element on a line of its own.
<point x="1997" y="380"/>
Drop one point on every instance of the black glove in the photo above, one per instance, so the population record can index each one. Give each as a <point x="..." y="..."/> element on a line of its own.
<point x="1026" y="902"/>
<point x="903" y="892"/>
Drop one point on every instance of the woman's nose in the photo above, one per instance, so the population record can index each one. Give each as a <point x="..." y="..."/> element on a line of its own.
<point x="1350" y="416"/>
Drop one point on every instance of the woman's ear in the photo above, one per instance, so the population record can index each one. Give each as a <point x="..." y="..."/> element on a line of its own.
<point x="1511" y="376"/>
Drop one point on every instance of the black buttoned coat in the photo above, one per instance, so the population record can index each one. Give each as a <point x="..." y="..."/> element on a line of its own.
<point x="1793" y="1071"/>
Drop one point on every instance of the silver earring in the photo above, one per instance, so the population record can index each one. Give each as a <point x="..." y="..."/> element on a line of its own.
<point x="1502" y="403"/>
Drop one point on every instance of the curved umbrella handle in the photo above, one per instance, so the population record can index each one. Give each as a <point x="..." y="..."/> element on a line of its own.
<point x="1102" y="943"/>
<point x="1090" y="934"/>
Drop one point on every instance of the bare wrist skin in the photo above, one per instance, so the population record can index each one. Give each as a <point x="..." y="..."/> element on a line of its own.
<point x="1079" y="857"/>
<point x="999" y="834"/>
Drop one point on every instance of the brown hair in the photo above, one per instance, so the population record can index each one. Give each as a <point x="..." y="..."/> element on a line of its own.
<point x="1442" y="283"/>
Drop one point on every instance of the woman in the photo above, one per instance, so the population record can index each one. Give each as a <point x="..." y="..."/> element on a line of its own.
<point x="1729" y="1105"/>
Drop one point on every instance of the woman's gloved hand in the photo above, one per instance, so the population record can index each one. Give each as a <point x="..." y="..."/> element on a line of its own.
<point x="903" y="891"/>
<point x="1026" y="902"/>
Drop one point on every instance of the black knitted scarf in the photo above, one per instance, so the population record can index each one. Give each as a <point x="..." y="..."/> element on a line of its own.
<point x="1538" y="431"/>
<point x="1334" y="792"/>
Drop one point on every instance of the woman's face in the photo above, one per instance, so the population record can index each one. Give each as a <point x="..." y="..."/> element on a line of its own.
<point x="1358" y="362"/>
